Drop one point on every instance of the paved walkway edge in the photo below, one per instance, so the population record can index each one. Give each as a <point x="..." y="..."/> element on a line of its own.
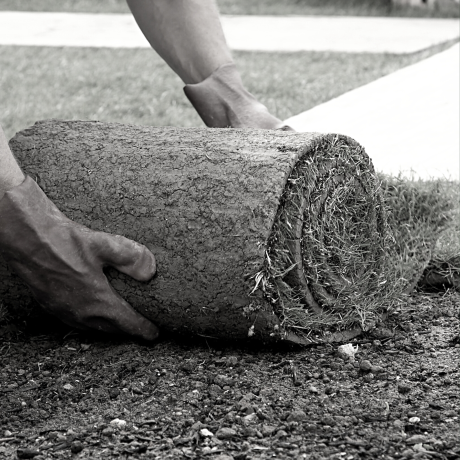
<point x="258" y="33"/>
<point x="408" y="121"/>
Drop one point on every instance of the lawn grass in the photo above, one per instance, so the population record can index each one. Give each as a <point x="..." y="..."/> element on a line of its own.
<point x="262" y="7"/>
<point x="136" y="86"/>
<point x="332" y="8"/>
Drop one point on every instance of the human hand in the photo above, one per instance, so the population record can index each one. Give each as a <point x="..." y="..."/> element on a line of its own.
<point x="62" y="262"/>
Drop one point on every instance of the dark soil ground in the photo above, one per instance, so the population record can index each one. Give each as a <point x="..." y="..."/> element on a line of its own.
<point x="62" y="392"/>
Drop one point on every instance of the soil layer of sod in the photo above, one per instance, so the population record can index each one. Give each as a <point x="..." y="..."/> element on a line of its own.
<point x="267" y="234"/>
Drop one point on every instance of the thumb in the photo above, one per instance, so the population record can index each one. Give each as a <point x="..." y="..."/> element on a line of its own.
<point x="127" y="256"/>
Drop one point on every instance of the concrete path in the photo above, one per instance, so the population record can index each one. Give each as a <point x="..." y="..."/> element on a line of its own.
<point x="264" y="33"/>
<point x="407" y="121"/>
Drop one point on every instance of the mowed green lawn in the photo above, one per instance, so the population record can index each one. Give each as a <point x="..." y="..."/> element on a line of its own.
<point x="276" y="7"/>
<point x="136" y="86"/>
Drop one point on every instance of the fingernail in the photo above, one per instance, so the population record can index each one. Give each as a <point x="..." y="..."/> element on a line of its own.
<point x="146" y="265"/>
<point x="150" y="332"/>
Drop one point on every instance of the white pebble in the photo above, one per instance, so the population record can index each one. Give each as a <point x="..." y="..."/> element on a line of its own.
<point x="206" y="433"/>
<point x="347" y="352"/>
<point x="118" y="423"/>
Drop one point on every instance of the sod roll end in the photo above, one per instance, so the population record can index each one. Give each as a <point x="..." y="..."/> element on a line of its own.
<point x="259" y="235"/>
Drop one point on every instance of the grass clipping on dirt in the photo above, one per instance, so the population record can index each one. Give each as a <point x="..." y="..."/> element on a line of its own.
<point x="347" y="244"/>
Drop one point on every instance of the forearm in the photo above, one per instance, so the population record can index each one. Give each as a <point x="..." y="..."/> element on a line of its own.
<point x="10" y="172"/>
<point x="187" y="34"/>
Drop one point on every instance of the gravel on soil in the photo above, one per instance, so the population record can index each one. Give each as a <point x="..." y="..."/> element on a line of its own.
<point x="67" y="394"/>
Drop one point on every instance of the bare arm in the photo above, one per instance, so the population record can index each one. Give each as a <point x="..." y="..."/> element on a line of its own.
<point x="187" y="34"/>
<point x="10" y="172"/>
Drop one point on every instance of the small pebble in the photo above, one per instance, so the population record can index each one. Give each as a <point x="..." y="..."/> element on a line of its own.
<point x="232" y="361"/>
<point x="407" y="453"/>
<point x="368" y="377"/>
<point x="114" y="393"/>
<point x="76" y="447"/>
<point x="297" y="416"/>
<point x="347" y="352"/>
<point x="107" y="431"/>
<point x="250" y="431"/>
<point x="27" y="453"/>
<point x="365" y="365"/>
<point x="377" y="369"/>
<point x="118" y="423"/>
<point x="197" y="426"/>
<point x="248" y="419"/>
<point x="224" y="457"/>
<point x="404" y="388"/>
<point x="231" y="416"/>
<point x="328" y="420"/>
<point x="206" y="433"/>
<point x="268" y="430"/>
<point x="416" y="439"/>
<point x="223" y="380"/>
<point x="281" y="434"/>
<point x="414" y="420"/>
<point x="226" y="433"/>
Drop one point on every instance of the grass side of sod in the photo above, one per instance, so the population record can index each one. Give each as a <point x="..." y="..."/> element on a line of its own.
<point x="259" y="7"/>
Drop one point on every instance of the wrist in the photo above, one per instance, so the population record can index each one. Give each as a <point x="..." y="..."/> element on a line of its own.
<point x="10" y="181"/>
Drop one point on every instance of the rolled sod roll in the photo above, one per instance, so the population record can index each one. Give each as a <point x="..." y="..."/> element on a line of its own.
<point x="270" y="235"/>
